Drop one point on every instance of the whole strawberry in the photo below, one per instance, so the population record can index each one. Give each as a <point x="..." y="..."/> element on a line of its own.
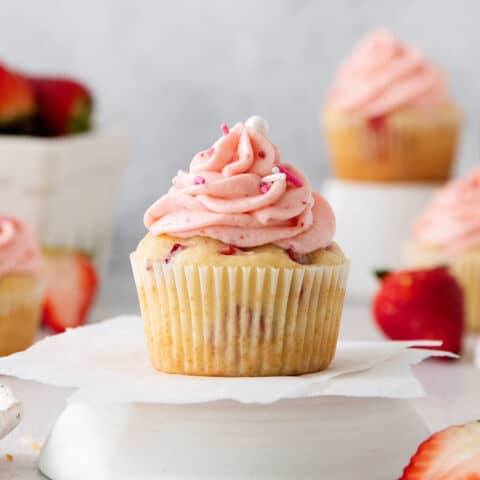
<point x="421" y="305"/>
<point x="17" y="103"/>
<point x="452" y="454"/>
<point x="64" y="106"/>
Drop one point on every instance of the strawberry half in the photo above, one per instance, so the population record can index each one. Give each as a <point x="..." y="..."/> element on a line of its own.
<point x="64" y="106"/>
<point x="452" y="454"/>
<point x="421" y="305"/>
<point x="71" y="286"/>
<point x="17" y="103"/>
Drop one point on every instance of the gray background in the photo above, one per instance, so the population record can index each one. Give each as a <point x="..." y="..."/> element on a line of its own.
<point x="170" y="72"/>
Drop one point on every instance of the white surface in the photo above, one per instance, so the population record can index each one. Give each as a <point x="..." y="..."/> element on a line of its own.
<point x="452" y="387"/>
<point x="65" y="187"/>
<point x="373" y="225"/>
<point x="115" y="369"/>
<point x="226" y="440"/>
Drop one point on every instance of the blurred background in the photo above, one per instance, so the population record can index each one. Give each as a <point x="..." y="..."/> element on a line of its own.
<point x="170" y="72"/>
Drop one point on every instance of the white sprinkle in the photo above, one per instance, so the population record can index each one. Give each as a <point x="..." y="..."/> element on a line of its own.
<point x="275" y="170"/>
<point x="258" y="123"/>
<point x="274" y="177"/>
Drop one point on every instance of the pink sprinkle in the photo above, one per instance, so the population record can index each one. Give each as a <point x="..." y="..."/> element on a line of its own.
<point x="264" y="187"/>
<point x="262" y="154"/>
<point x="290" y="177"/>
<point x="224" y="128"/>
<point x="199" y="180"/>
<point x="210" y="151"/>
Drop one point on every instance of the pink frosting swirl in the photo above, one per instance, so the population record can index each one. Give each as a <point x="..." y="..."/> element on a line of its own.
<point x="230" y="195"/>
<point x="383" y="74"/>
<point x="19" y="249"/>
<point x="451" y="220"/>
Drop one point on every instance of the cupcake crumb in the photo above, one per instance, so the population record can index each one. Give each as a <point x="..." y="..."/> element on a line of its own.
<point x="36" y="447"/>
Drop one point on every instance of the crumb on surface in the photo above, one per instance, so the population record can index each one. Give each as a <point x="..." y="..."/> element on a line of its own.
<point x="36" y="446"/>
<point x="9" y="457"/>
<point x="31" y="443"/>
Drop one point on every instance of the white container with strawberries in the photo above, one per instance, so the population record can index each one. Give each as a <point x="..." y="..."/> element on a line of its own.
<point x="54" y="170"/>
<point x="58" y="175"/>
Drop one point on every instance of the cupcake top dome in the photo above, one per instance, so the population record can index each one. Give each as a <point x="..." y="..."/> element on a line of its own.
<point x="239" y="192"/>
<point x="19" y="248"/>
<point x="451" y="220"/>
<point x="383" y="74"/>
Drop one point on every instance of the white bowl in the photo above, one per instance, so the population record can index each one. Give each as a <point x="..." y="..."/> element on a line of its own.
<point x="373" y="225"/>
<point x="306" y="439"/>
<point x="64" y="186"/>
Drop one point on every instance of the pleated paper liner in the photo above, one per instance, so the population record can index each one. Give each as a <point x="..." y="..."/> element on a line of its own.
<point x="393" y="148"/>
<point x="466" y="269"/>
<point x="20" y="311"/>
<point x="240" y="321"/>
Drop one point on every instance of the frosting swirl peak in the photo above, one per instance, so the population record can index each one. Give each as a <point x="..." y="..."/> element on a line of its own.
<point x="383" y="74"/>
<point x="238" y="192"/>
<point x="19" y="249"/>
<point x="451" y="220"/>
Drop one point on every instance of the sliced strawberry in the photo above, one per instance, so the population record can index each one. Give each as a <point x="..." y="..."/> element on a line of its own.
<point x="17" y="103"/>
<point x="72" y="284"/>
<point x="64" y="106"/>
<point x="452" y="454"/>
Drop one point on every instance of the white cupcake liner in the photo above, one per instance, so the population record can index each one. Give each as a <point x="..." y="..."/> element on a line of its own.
<point x="13" y="300"/>
<point x="20" y="313"/>
<point x="240" y="321"/>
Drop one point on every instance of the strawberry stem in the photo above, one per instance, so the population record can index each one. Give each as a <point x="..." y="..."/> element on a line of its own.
<point x="381" y="274"/>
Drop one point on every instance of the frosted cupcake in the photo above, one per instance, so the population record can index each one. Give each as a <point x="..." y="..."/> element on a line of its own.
<point x="389" y="116"/>
<point x="21" y="288"/>
<point x="447" y="232"/>
<point x="239" y="275"/>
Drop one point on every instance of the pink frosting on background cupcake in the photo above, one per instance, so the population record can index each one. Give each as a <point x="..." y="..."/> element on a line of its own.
<point x="19" y="249"/>
<point x="451" y="220"/>
<point x="238" y="192"/>
<point x="383" y="74"/>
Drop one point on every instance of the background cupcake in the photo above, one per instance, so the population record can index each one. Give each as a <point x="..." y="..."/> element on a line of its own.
<point x="389" y="116"/>
<point x="21" y="288"/>
<point x="239" y="275"/>
<point x="447" y="232"/>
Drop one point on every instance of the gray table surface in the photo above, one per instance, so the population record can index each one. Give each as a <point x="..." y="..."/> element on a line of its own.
<point x="453" y="396"/>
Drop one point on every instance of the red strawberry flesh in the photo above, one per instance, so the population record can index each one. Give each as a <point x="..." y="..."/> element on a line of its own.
<point x="421" y="305"/>
<point x="71" y="288"/>
<point x="378" y="123"/>
<point x="177" y="247"/>
<point x="64" y="106"/>
<point x="228" y="250"/>
<point x="451" y="454"/>
<point x="17" y="101"/>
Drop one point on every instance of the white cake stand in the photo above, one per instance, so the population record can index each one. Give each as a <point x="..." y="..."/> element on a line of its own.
<point x="322" y="437"/>
<point x="373" y="225"/>
<point x="126" y="421"/>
